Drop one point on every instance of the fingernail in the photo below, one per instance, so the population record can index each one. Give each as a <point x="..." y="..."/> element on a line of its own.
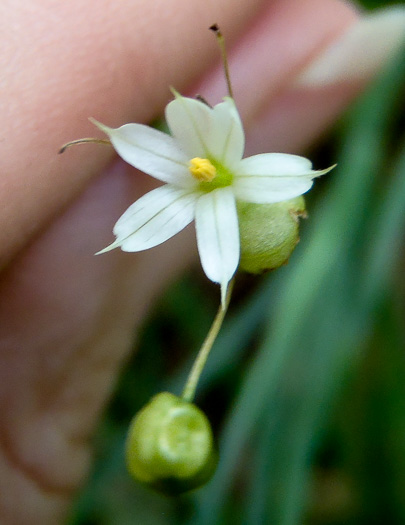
<point x="360" y="51"/>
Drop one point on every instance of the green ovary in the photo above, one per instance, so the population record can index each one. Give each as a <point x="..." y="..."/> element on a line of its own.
<point x="223" y="178"/>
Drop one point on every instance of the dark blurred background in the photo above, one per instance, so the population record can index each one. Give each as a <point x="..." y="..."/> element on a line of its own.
<point x="305" y="387"/>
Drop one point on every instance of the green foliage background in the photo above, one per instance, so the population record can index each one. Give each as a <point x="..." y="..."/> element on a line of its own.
<point x="305" y="386"/>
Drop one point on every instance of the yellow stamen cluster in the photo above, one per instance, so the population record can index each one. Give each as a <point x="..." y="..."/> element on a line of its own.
<point x="202" y="169"/>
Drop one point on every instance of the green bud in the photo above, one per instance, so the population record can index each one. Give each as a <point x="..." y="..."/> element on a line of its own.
<point x="268" y="233"/>
<point x="170" y="445"/>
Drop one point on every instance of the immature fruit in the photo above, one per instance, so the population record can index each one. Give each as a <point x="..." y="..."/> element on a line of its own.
<point x="268" y="233"/>
<point x="170" y="445"/>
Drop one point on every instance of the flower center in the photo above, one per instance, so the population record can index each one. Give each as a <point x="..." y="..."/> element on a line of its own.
<point x="210" y="174"/>
<point x="202" y="169"/>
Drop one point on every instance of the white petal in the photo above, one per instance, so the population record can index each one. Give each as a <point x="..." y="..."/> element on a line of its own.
<point x="274" y="164"/>
<point x="273" y="177"/>
<point x="218" y="236"/>
<point x="229" y="146"/>
<point x="263" y="190"/>
<point x="151" y="151"/>
<point x="154" y="218"/>
<point x="207" y="132"/>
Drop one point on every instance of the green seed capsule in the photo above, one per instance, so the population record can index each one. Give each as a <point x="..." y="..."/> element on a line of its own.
<point x="170" y="445"/>
<point x="268" y="233"/>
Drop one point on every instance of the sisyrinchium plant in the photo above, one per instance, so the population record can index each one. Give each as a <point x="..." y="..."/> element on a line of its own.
<point x="206" y="175"/>
<point x="246" y="213"/>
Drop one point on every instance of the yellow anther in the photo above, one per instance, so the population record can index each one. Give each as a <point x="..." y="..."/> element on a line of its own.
<point x="202" y="169"/>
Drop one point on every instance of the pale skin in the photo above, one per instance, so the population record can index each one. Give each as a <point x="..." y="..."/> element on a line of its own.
<point x="67" y="318"/>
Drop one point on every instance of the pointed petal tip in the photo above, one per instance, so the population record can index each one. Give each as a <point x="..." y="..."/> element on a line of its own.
<point x="179" y="96"/>
<point x="228" y="98"/>
<point x="325" y="171"/>
<point x="100" y="125"/>
<point x="95" y="121"/>
<point x="109" y="248"/>
<point x="175" y="93"/>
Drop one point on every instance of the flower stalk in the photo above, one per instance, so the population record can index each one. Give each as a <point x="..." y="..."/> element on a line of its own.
<point x="202" y="356"/>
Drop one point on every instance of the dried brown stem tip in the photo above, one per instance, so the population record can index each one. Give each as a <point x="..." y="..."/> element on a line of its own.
<point x="83" y="141"/>
<point x="221" y="42"/>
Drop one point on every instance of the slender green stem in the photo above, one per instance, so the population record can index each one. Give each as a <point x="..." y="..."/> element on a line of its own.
<point x="221" y="43"/>
<point x="201" y="359"/>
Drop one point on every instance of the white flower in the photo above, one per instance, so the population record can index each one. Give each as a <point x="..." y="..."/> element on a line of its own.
<point x="202" y="166"/>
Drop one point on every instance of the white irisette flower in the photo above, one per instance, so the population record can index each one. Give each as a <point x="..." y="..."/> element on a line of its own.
<point x="205" y="174"/>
